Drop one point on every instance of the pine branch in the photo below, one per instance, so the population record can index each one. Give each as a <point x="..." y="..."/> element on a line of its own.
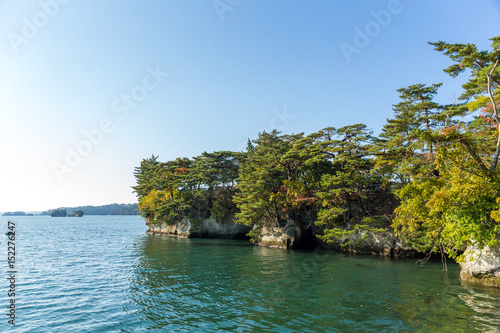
<point x="495" y="113"/>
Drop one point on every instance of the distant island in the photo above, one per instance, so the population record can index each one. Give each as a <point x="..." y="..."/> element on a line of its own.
<point x="64" y="213"/>
<point x="59" y="213"/>
<point x="17" y="214"/>
<point x="111" y="209"/>
<point x="77" y="213"/>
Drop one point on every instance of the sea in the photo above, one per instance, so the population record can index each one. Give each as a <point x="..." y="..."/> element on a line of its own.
<point x="105" y="274"/>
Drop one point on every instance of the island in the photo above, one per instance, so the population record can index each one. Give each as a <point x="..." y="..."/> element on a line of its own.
<point x="76" y="213"/>
<point x="429" y="184"/>
<point x="16" y="214"/>
<point x="59" y="213"/>
<point x="110" y="209"/>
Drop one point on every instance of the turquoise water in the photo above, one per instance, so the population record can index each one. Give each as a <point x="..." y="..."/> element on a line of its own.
<point x="104" y="274"/>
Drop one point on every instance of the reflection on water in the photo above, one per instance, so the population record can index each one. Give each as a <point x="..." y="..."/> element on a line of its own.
<point x="213" y="285"/>
<point x="485" y="305"/>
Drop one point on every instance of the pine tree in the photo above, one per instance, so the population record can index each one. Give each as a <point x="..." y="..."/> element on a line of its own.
<point x="459" y="206"/>
<point x="405" y="154"/>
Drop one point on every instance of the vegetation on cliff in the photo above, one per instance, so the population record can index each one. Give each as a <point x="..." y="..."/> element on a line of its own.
<point x="453" y="201"/>
<point x="187" y="188"/>
<point x="326" y="178"/>
<point x="440" y="161"/>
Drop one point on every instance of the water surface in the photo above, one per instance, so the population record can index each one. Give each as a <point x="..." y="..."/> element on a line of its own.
<point x="104" y="274"/>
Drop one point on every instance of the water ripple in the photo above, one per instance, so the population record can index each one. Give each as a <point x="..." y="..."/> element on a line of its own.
<point x="104" y="274"/>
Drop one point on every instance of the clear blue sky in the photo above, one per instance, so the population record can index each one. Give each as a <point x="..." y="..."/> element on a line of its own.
<point x="234" y="69"/>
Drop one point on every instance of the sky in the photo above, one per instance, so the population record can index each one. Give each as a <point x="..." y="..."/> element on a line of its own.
<point x="90" y="88"/>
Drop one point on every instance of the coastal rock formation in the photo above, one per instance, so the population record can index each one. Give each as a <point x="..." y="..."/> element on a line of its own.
<point x="291" y="236"/>
<point x="375" y="243"/>
<point x="208" y="228"/>
<point x="481" y="266"/>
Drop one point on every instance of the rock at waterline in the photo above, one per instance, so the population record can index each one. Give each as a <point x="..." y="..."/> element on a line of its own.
<point x="481" y="266"/>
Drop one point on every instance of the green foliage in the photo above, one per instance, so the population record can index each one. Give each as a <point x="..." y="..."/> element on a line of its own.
<point x="457" y="204"/>
<point x="481" y="64"/>
<point x="263" y="197"/>
<point x="255" y="234"/>
<point x="449" y="213"/>
<point x="483" y="86"/>
<point x="187" y="188"/>
<point x="323" y="178"/>
<point x="374" y="221"/>
<point x="146" y="176"/>
<point x="222" y="204"/>
<point x="343" y="190"/>
<point x="334" y="235"/>
<point x="402" y="152"/>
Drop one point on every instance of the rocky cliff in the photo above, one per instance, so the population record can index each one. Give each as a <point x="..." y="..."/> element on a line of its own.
<point x="290" y="236"/>
<point x="208" y="228"/>
<point x="362" y="242"/>
<point x="481" y="266"/>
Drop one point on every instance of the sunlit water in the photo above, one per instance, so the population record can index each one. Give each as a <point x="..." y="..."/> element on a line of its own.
<point x="104" y="274"/>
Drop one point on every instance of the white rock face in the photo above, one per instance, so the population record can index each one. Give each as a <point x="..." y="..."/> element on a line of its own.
<point x="179" y="229"/>
<point x="481" y="266"/>
<point x="283" y="237"/>
<point x="209" y="228"/>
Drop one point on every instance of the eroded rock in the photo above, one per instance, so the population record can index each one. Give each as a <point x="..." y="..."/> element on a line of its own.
<point x="208" y="228"/>
<point x="290" y="236"/>
<point x="481" y="266"/>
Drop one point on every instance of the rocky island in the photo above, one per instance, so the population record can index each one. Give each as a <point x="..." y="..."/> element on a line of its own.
<point x="428" y="184"/>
